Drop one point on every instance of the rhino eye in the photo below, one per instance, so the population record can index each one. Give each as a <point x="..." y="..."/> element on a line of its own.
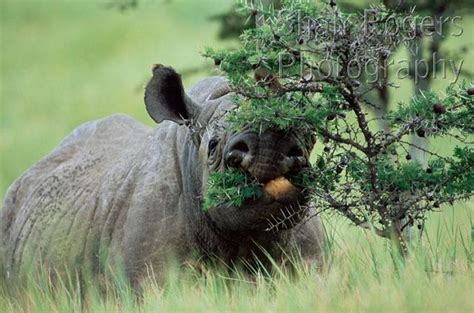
<point x="212" y="145"/>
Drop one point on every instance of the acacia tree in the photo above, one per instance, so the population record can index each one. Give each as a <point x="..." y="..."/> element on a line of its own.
<point x="428" y="45"/>
<point x="299" y="72"/>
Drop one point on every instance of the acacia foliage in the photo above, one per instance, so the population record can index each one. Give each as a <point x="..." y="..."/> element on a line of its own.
<point x="294" y="73"/>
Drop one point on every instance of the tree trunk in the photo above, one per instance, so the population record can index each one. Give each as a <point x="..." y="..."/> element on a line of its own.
<point x="399" y="240"/>
<point x="423" y="82"/>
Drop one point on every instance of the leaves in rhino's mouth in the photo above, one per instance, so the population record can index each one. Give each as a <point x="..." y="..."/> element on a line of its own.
<point x="234" y="187"/>
<point x="231" y="186"/>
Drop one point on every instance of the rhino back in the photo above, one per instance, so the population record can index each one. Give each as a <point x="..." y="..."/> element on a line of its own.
<point x="93" y="197"/>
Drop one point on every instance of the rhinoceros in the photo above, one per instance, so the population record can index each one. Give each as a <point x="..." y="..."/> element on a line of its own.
<point x="118" y="192"/>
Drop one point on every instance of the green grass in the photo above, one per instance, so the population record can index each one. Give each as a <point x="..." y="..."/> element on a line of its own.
<point x="360" y="276"/>
<point x="66" y="62"/>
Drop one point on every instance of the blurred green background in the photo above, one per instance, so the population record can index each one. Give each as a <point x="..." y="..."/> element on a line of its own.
<point x="66" y="62"/>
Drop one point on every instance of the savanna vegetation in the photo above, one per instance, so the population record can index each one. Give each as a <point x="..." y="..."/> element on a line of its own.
<point x="64" y="63"/>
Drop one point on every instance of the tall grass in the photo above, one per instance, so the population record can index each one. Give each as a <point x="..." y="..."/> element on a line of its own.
<point x="361" y="275"/>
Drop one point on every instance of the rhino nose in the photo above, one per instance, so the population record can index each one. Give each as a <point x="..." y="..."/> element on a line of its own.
<point x="240" y="154"/>
<point x="265" y="157"/>
<point x="293" y="160"/>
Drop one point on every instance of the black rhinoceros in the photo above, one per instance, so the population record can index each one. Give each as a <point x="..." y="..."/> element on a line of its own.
<point x="115" y="191"/>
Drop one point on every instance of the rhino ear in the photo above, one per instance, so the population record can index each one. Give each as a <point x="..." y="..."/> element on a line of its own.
<point x="165" y="98"/>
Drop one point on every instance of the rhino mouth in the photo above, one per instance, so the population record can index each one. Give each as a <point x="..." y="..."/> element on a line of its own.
<point x="281" y="206"/>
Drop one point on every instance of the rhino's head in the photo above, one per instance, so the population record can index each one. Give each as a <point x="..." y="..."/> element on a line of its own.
<point x="265" y="156"/>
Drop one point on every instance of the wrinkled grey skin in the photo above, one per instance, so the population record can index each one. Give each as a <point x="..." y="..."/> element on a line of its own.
<point x="117" y="192"/>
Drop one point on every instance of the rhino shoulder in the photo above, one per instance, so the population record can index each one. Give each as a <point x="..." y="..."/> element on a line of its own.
<point x="111" y="126"/>
<point x="47" y="199"/>
<point x="95" y="139"/>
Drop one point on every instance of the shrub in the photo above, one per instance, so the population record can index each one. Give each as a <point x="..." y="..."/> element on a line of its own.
<point x="295" y="72"/>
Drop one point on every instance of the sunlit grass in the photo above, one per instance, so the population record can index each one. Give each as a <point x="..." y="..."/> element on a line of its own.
<point x="361" y="275"/>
